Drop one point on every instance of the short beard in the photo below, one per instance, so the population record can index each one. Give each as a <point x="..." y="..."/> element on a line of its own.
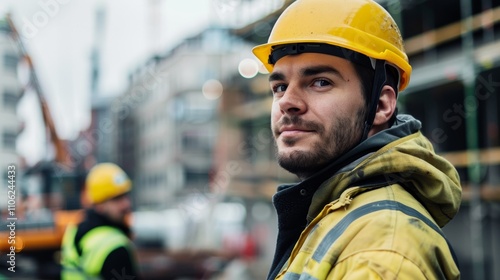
<point x="344" y="135"/>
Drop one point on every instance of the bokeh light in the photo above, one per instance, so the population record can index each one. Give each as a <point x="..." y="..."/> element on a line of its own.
<point x="212" y="89"/>
<point x="248" y="68"/>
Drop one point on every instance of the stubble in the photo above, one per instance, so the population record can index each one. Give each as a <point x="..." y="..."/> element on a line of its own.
<point x="343" y="134"/>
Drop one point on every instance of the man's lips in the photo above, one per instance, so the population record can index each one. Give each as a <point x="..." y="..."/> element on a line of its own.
<point x="293" y="131"/>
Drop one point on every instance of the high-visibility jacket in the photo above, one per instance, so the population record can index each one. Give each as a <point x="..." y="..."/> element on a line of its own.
<point x="378" y="234"/>
<point x="95" y="245"/>
<point x="376" y="216"/>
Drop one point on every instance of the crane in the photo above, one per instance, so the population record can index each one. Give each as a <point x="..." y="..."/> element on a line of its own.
<point x="61" y="152"/>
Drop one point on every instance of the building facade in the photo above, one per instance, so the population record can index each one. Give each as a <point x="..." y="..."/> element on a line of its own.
<point x="167" y="119"/>
<point x="454" y="48"/>
<point x="10" y="124"/>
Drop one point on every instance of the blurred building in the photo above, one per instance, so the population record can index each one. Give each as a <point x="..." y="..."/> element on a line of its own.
<point x="10" y="91"/>
<point x="95" y="144"/>
<point x="167" y="119"/>
<point x="454" y="48"/>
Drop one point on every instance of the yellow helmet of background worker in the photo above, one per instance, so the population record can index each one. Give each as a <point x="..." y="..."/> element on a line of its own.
<point x="362" y="26"/>
<point x="106" y="181"/>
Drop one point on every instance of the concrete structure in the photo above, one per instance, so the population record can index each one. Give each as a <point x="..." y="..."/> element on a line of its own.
<point x="9" y="96"/>
<point x="167" y="123"/>
<point x="455" y="51"/>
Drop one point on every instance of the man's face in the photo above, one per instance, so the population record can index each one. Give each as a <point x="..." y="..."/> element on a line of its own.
<point x="116" y="209"/>
<point x="318" y="110"/>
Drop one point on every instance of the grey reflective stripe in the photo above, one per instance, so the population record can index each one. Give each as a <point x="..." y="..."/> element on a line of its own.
<point x="295" y="276"/>
<point x="340" y="228"/>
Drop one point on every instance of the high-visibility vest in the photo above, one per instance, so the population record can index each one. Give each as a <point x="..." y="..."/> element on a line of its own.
<point x="96" y="245"/>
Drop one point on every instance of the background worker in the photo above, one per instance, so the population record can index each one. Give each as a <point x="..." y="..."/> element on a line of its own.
<point x="373" y="194"/>
<point x="100" y="245"/>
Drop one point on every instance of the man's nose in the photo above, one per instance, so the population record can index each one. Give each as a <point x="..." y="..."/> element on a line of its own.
<point x="292" y="102"/>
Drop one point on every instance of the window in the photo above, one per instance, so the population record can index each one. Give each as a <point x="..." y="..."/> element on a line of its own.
<point x="9" y="140"/>
<point x="441" y="110"/>
<point x="10" y="61"/>
<point x="196" y="178"/>
<point x="9" y="99"/>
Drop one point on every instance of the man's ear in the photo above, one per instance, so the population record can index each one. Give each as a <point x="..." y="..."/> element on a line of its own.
<point x="385" y="108"/>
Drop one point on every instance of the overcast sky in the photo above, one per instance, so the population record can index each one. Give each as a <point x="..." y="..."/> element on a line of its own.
<point x="59" y="35"/>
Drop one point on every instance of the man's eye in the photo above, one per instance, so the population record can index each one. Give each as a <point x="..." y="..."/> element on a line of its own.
<point x="321" y="83"/>
<point x="279" y="88"/>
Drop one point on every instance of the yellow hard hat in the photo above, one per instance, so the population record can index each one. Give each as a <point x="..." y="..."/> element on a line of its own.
<point x="106" y="181"/>
<point x="362" y="26"/>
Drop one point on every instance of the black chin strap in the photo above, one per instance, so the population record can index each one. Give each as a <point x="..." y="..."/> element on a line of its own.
<point x="379" y="80"/>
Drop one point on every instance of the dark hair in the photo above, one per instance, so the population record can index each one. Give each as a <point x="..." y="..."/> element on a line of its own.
<point x="366" y="75"/>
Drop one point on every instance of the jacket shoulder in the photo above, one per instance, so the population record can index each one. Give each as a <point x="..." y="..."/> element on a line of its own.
<point x="386" y="226"/>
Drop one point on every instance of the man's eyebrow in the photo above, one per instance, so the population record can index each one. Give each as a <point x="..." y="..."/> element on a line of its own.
<point x="308" y="71"/>
<point x="315" y="70"/>
<point x="276" y="76"/>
